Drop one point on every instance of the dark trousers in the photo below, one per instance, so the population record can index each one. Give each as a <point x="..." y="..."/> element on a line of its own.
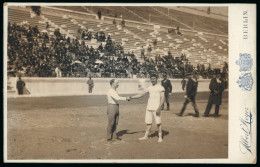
<point x="20" y="91"/>
<point x="209" y="106"/>
<point x="192" y="100"/>
<point x="166" y="95"/>
<point x="90" y="89"/>
<point x="113" y="117"/>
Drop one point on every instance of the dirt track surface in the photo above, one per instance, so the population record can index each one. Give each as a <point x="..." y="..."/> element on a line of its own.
<point x="75" y="128"/>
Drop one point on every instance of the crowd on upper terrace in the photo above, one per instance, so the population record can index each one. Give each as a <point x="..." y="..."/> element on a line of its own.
<point x="36" y="54"/>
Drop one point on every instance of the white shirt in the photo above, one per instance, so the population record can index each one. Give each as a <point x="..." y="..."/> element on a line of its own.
<point x="113" y="97"/>
<point x="154" y="96"/>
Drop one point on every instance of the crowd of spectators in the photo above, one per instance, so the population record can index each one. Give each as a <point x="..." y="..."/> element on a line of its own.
<point x="35" y="54"/>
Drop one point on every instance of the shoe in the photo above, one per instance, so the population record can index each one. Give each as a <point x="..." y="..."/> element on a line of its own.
<point x="160" y="140"/>
<point x="143" y="138"/>
<point x="118" y="138"/>
<point x="167" y="109"/>
<point x="206" y="115"/>
<point x="196" y="115"/>
<point x="180" y="115"/>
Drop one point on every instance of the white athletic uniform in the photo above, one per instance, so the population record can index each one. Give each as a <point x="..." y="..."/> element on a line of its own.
<point x="153" y="104"/>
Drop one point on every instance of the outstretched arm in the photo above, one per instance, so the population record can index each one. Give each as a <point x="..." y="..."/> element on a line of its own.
<point x="116" y="97"/>
<point x="139" y="95"/>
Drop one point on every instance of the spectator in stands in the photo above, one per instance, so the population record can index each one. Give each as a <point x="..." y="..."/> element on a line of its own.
<point x="178" y="31"/>
<point x="36" y="9"/>
<point x="99" y="14"/>
<point x="58" y="72"/>
<point x="79" y="30"/>
<point x="83" y="35"/>
<point x="114" y="22"/>
<point x="142" y="52"/>
<point x="35" y="53"/>
<point x="178" y="28"/>
<point x="208" y="10"/>
<point x="154" y="43"/>
<point x="123" y="23"/>
<point x="149" y="49"/>
<point x="100" y="48"/>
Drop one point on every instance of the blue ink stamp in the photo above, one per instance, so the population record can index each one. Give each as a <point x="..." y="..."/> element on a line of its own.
<point x="246" y="129"/>
<point x="245" y="62"/>
<point x="245" y="82"/>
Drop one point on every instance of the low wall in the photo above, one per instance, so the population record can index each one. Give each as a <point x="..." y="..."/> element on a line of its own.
<point x="78" y="86"/>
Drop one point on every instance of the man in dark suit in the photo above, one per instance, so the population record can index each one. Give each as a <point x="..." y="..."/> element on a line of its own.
<point x="216" y="87"/>
<point x="191" y="91"/>
<point x="20" y="85"/>
<point x="166" y="83"/>
<point x="90" y="85"/>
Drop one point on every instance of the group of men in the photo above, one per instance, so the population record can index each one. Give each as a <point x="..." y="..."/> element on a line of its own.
<point x="158" y="94"/>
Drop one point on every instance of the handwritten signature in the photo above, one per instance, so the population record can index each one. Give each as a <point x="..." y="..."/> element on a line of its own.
<point x="245" y="138"/>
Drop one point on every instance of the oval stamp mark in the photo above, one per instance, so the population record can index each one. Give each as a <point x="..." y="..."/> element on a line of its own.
<point x="245" y="62"/>
<point x="245" y="82"/>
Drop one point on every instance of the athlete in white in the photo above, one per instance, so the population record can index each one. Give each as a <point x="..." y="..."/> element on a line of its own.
<point x="155" y="101"/>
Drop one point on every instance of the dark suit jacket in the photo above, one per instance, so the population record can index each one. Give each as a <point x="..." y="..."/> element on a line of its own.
<point x="20" y="84"/>
<point x="191" y="88"/>
<point x="216" y="90"/>
<point x="167" y="85"/>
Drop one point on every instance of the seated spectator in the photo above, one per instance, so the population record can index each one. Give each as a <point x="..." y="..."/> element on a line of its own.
<point x="79" y="30"/>
<point x="100" y="48"/>
<point x="123" y="23"/>
<point x="99" y="14"/>
<point x="154" y="43"/>
<point x="114" y="22"/>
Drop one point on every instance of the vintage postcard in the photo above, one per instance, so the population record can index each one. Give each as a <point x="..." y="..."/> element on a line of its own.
<point x="129" y="83"/>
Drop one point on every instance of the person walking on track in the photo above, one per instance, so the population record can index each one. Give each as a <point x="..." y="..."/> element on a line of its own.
<point x="191" y="91"/>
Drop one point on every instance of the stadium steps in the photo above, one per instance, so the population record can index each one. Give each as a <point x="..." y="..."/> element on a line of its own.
<point x="134" y="13"/>
<point x="177" y="22"/>
<point x="74" y="8"/>
<point x="18" y="16"/>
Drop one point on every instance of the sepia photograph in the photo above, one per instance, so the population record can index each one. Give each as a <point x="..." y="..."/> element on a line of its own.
<point x="117" y="82"/>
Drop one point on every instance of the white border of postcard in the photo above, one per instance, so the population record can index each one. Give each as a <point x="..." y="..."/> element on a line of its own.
<point x="241" y="102"/>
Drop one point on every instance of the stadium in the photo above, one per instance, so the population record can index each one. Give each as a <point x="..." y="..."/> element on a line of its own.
<point x="56" y="49"/>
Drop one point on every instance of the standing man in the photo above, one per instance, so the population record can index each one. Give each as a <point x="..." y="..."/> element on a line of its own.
<point x="142" y="52"/>
<point x="191" y="91"/>
<point x="20" y="85"/>
<point x="113" y="109"/>
<point x="99" y="14"/>
<point x="90" y="85"/>
<point x="166" y="83"/>
<point x="153" y="109"/>
<point x="216" y="87"/>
